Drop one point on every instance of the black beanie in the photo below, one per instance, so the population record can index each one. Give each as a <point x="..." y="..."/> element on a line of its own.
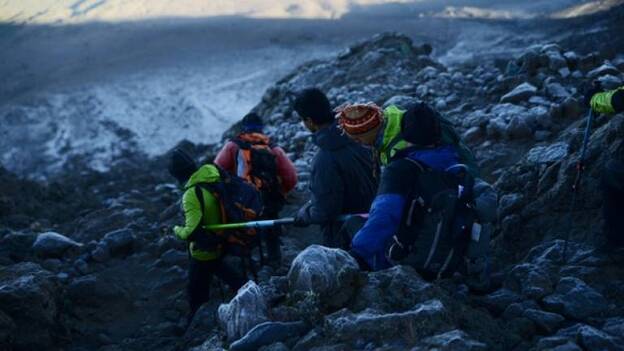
<point x="252" y="122"/>
<point x="181" y="165"/>
<point x="313" y="104"/>
<point x="421" y="125"/>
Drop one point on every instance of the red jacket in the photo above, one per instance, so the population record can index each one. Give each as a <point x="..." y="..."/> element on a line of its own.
<point x="286" y="171"/>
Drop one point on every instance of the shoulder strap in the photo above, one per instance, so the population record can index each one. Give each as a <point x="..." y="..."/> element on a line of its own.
<point x="200" y="198"/>
<point x="242" y="144"/>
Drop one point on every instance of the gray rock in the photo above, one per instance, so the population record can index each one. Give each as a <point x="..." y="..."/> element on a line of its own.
<point x="591" y="338"/>
<point x="454" y="340"/>
<point x="203" y="321"/>
<point x="395" y="289"/>
<point x="268" y="333"/>
<point x="101" y="253"/>
<point x="520" y="93"/>
<point x="16" y="247"/>
<point x="174" y="257"/>
<point x="606" y="68"/>
<point x="541" y="135"/>
<point x="512" y="311"/>
<point x="509" y="203"/>
<point x="547" y="154"/>
<point x="556" y="61"/>
<point x="246" y="310"/>
<point x="473" y="135"/>
<point x="51" y="244"/>
<point x="329" y="273"/>
<point x="546" y="322"/>
<point x="531" y="280"/>
<point x="424" y="319"/>
<point x="400" y="100"/>
<point x="518" y="128"/>
<point x="564" y="72"/>
<point x="557" y="91"/>
<point x="610" y="82"/>
<point x="32" y="298"/>
<point x="119" y="242"/>
<point x="497" y="128"/>
<point x="91" y="291"/>
<point x="498" y="301"/>
<point x="575" y="299"/>
<point x="614" y="326"/>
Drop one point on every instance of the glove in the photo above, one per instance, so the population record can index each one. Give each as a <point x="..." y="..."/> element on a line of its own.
<point x="302" y="219"/>
<point x="590" y="90"/>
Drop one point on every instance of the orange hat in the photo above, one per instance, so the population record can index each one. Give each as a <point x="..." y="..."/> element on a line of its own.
<point x="358" y="119"/>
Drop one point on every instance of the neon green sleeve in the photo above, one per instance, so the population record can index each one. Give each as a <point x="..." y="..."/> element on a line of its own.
<point x="192" y="215"/>
<point x="601" y="102"/>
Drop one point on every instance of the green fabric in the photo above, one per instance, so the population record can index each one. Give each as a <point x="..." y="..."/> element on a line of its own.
<point x="192" y="210"/>
<point x="391" y="144"/>
<point x="601" y="102"/>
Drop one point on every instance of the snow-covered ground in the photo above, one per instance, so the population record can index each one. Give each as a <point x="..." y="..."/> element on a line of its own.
<point x="96" y="77"/>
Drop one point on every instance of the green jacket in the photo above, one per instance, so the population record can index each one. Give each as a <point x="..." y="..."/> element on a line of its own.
<point x="391" y="141"/>
<point x="604" y="102"/>
<point x="192" y="210"/>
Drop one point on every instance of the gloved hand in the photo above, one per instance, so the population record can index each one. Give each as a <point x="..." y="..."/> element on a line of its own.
<point x="590" y="90"/>
<point x="302" y="219"/>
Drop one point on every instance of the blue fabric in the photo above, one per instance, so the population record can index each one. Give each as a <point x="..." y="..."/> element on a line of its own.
<point x="383" y="222"/>
<point x="440" y="158"/>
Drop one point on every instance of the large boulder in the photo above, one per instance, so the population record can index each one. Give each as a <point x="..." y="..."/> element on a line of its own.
<point x="332" y="274"/>
<point x="32" y="298"/>
<point x="575" y="299"/>
<point x="246" y="310"/>
<point x="51" y="244"/>
<point x="428" y="318"/>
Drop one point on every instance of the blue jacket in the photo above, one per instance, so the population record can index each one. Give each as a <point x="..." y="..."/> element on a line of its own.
<point x="387" y="209"/>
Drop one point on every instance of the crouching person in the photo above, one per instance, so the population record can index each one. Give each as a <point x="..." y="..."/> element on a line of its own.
<point x="206" y="249"/>
<point x="431" y="209"/>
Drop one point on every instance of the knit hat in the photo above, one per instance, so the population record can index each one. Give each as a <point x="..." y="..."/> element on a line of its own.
<point x="181" y="165"/>
<point x="313" y="104"/>
<point x="421" y="125"/>
<point x="252" y="123"/>
<point x="357" y="119"/>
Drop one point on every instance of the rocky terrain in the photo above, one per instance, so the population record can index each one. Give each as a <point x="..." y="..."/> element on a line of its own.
<point x="88" y="262"/>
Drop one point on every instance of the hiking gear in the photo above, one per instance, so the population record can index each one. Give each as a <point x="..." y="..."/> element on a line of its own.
<point x="580" y="168"/>
<point x="391" y="141"/>
<point x="357" y="119"/>
<point x="399" y="182"/>
<point x="257" y="164"/>
<point x="196" y="215"/>
<point x="313" y="104"/>
<point x="239" y="201"/>
<point x="609" y="102"/>
<point x="252" y="123"/>
<point x="613" y="190"/>
<point x="420" y="125"/>
<point x="272" y="222"/>
<point x="200" y="278"/>
<point x="181" y="165"/>
<point x="436" y="230"/>
<point x="227" y="159"/>
<point x="341" y="179"/>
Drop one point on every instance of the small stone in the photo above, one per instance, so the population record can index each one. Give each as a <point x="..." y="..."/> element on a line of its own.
<point x="606" y="68"/>
<point x="119" y="242"/>
<point x="473" y="135"/>
<point x="541" y="135"/>
<point x="557" y="91"/>
<point x="610" y="82"/>
<point x="545" y="321"/>
<point x="453" y="340"/>
<point x="53" y="244"/>
<point x="498" y="301"/>
<point x="520" y="93"/>
<point x="101" y="253"/>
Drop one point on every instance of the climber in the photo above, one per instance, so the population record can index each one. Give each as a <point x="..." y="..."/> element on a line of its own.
<point x="206" y="250"/>
<point x="252" y="156"/>
<point x="342" y="179"/>
<point x="422" y="154"/>
<point x="611" y="102"/>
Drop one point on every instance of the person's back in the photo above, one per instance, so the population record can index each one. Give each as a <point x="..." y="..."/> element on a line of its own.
<point x="342" y="180"/>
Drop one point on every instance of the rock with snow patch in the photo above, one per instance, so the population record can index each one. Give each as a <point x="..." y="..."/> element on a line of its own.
<point x="51" y="244"/>
<point x="575" y="299"/>
<point x="268" y="333"/>
<point x="246" y="310"/>
<point x="547" y="154"/>
<point x="610" y="82"/>
<point x="330" y="273"/>
<point x="454" y="340"/>
<point x="520" y="93"/>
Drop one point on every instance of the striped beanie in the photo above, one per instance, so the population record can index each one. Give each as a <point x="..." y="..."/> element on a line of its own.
<point x="358" y="119"/>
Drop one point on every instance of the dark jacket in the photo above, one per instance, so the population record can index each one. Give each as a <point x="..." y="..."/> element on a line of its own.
<point x="341" y="182"/>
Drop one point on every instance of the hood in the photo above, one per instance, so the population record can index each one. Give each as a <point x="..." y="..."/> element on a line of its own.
<point x="205" y="174"/>
<point x="331" y="138"/>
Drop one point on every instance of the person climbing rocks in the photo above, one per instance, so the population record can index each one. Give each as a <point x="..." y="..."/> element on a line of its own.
<point x="205" y="248"/>
<point x="423" y="157"/>
<point x="252" y="156"/>
<point x="609" y="103"/>
<point x="342" y="179"/>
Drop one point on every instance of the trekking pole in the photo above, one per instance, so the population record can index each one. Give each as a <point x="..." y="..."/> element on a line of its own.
<point x="580" y="167"/>
<point x="272" y="222"/>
